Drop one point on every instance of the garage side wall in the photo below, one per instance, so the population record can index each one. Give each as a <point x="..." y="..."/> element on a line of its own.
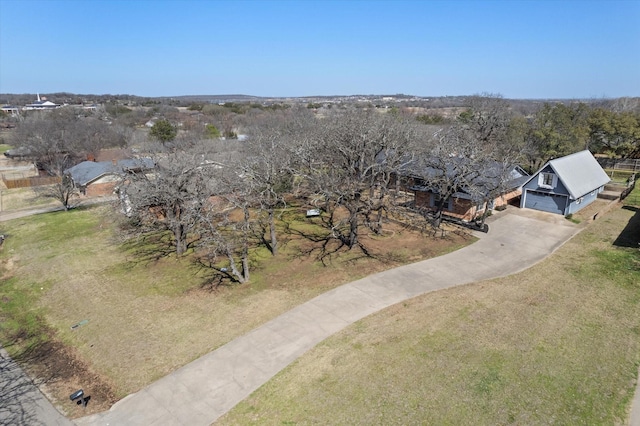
<point x="584" y="201"/>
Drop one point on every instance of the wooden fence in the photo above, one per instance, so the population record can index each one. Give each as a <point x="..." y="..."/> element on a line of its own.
<point x="631" y="165"/>
<point x="29" y="182"/>
<point x="631" y="183"/>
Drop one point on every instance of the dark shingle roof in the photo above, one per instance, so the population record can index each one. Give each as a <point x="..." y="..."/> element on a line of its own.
<point x="88" y="171"/>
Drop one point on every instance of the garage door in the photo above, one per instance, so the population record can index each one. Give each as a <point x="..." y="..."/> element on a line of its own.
<point x="546" y="202"/>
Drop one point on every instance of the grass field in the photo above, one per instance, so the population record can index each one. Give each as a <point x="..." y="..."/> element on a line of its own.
<point x="141" y="320"/>
<point x="633" y="199"/>
<point x="23" y="198"/>
<point x="556" y="344"/>
<point x="619" y="176"/>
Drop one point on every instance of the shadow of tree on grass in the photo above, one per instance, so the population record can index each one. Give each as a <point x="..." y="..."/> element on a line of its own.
<point x="630" y="235"/>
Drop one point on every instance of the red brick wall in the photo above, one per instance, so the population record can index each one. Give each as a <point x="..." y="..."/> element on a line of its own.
<point x="100" y="189"/>
<point x="423" y="199"/>
<point x="461" y="208"/>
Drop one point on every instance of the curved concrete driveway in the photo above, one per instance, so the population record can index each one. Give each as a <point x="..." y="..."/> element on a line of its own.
<point x="202" y="391"/>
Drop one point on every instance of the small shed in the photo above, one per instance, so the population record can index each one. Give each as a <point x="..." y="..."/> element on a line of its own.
<point x="565" y="185"/>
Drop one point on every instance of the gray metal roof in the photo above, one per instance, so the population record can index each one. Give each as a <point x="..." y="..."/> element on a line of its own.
<point x="580" y="173"/>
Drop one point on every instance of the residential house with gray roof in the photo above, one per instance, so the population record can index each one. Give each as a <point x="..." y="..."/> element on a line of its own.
<point x="93" y="178"/>
<point x="565" y="185"/>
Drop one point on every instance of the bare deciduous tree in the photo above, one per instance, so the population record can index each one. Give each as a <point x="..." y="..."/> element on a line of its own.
<point x="226" y="229"/>
<point x="172" y="197"/>
<point x="474" y="155"/>
<point x="488" y="118"/>
<point x="449" y="163"/>
<point x="63" y="191"/>
<point x="267" y="167"/>
<point x="347" y="163"/>
<point x="59" y="139"/>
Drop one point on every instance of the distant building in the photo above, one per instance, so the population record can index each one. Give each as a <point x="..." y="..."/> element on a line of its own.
<point x="41" y="104"/>
<point x="11" y="109"/>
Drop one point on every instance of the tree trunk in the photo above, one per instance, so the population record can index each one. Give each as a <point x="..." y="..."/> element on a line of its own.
<point x="181" y="244"/>
<point x="438" y="220"/>
<point x="234" y="268"/>
<point x="272" y="233"/>
<point x="379" y="216"/>
<point x="245" y="245"/>
<point x="245" y="267"/>
<point x="439" y="212"/>
<point x="353" y="230"/>
<point x="485" y="213"/>
<point x="178" y="230"/>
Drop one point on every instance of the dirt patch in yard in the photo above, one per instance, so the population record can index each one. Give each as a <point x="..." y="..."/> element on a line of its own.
<point x="60" y="372"/>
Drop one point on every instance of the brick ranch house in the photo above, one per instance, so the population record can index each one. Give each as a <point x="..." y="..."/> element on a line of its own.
<point x="99" y="178"/>
<point x="462" y="204"/>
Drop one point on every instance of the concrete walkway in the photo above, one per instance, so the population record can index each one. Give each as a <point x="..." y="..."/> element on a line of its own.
<point x="202" y="391"/>
<point x="17" y="214"/>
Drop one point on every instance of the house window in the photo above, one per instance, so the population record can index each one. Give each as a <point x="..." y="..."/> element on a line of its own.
<point x="579" y="200"/>
<point x="547" y="180"/>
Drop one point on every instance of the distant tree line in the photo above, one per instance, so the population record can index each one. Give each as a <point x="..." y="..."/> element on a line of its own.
<point x="561" y="128"/>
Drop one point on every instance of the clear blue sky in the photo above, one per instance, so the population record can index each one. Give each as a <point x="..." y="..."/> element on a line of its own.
<point x="520" y="49"/>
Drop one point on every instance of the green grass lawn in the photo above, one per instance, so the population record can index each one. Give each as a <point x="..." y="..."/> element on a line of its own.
<point x="619" y="176"/>
<point x="633" y="199"/>
<point x="23" y="198"/>
<point x="556" y="344"/>
<point x="142" y="319"/>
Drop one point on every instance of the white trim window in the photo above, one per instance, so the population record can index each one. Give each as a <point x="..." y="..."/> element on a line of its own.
<point x="547" y="180"/>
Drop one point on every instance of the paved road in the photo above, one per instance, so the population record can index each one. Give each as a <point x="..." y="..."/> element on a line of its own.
<point x="202" y="391"/>
<point x="16" y="214"/>
<point x="21" y="403"/>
